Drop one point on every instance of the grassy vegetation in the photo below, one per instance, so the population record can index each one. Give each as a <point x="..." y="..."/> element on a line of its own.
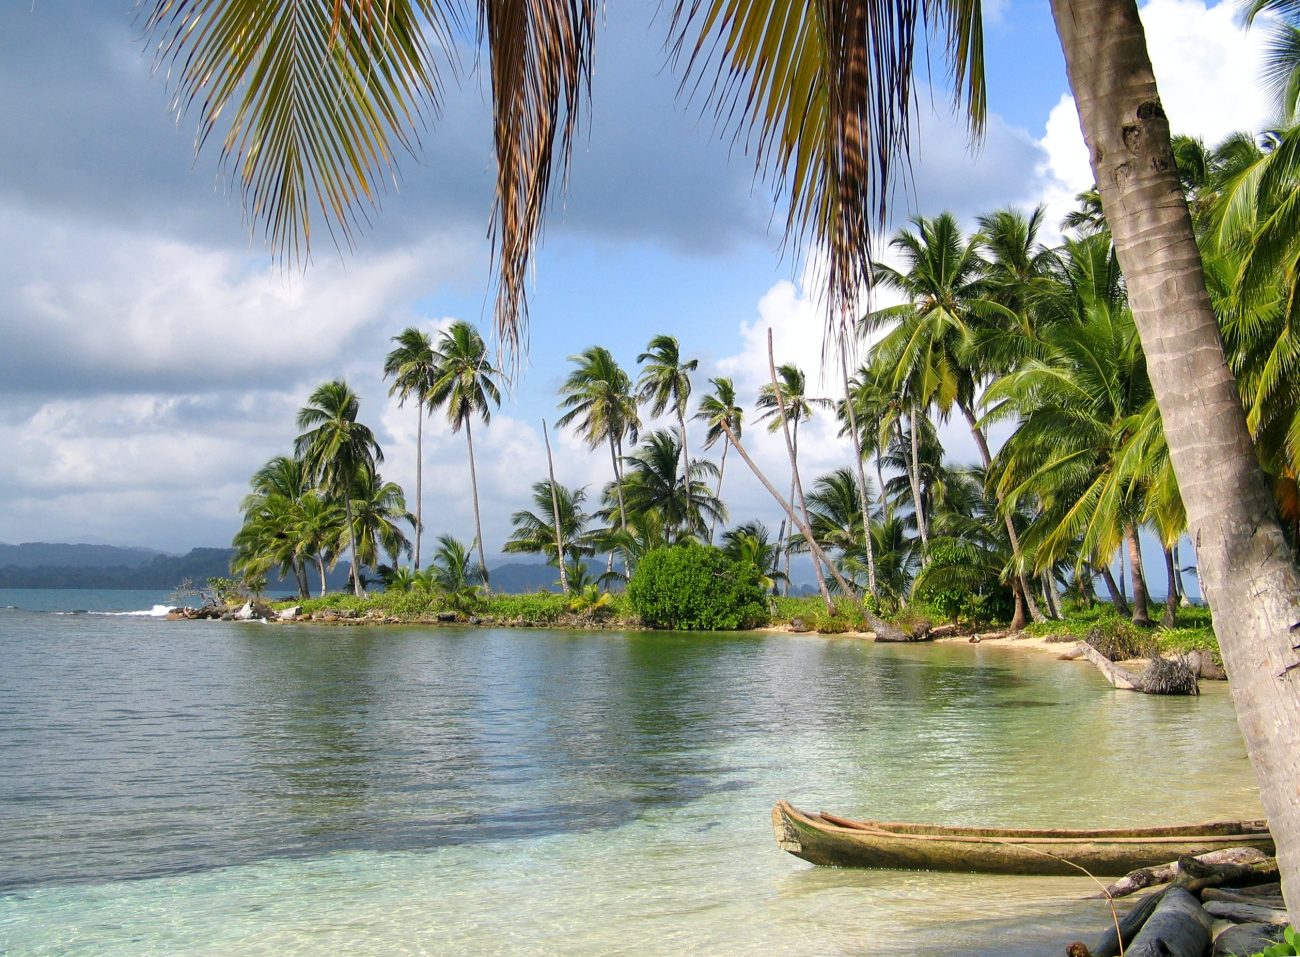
<point x="1195" y="631"/>
<point x="416" y="605"/>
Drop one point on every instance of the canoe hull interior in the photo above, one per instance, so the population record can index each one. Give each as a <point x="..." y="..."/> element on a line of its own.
<point x="866" y="844"/>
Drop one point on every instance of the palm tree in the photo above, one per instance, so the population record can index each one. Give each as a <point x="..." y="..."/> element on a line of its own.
<point x="716" y="409"/>
<point x="828" y="114"/>
<point x="651" y="483"/>
<point x="598" y="398"/>
<point x="466" y="383"/>
<point x="791" y="393"/>
<point x="272" y="509"/>
<point x="411" y="366"/>
<point x="454" y="576"/>
<point x="535" y="533"/>
<point x="377" y="509"/>
<point x="337" y="451"/>
<point x="751" y="542"/>
<point x="665" y="381"/>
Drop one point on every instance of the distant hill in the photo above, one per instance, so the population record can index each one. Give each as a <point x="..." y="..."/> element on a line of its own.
<point x="37" y="554"/>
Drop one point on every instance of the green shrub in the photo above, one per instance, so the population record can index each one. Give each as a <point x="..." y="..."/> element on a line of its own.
<point x="696" y="588"/>
<point x="1119" y="641"/>
<point x="1289" y="946"/>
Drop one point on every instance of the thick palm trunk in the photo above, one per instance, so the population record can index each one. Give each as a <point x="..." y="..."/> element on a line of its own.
<point x="1018" y="617"/>
<point x="1116" y="593"/>
<point x="722" y="471"/>
<point x="1246" y="570"/>
<point x="1049" y="595"/>
<point x="300" y="573"/>
<point x="1170" y="617"/>
<point x="914" y="477"/>
<point x="419" y="481"/>
<point x="982" y="444"/>
<point x="859" y="474"/>
<point x="320" y="567"/>
<point x="1141" y="604"/>
<point x="473" y="485"/>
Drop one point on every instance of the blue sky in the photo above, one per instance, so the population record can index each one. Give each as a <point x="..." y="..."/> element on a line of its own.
<point x="153" y="355"/>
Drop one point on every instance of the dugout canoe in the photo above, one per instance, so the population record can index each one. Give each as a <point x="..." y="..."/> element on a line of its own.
<point x="835" y="841"/>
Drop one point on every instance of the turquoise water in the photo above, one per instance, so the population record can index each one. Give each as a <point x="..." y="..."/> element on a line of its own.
<point x="196" y="788"/>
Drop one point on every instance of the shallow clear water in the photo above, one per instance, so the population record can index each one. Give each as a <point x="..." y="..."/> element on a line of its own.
<point x="187" y="788"/>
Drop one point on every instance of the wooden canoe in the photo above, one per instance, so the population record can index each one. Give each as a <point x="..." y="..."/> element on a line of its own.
<point x="840" y="842"/>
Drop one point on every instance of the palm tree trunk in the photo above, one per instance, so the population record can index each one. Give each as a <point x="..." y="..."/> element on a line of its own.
<point x="880" y="478"/>
<point x="1170" y="617"/>
<point x="722" y="470"/>
<point x="686" y="459"/>
<point x="792" y="447"/>
<point x="794" y="481"/>
<point x="353" y="572"/>
<point x="794" y="519"/>
<point x="858" y="472"/>
<point x="1141" y="607"/>
<point x="1116" y="593"/>
<point x="300" y="573"/>
<point x="1018" y="618"/>
<point x="1178" y="575"/>
<point x="419" y="481"/>
<point x="618" y="483"/>
<point x="1012" y="536"/>
<point x="1246" y="570"/>
<point x="473" y="485"/>
<point x="1049" y="595"/>
<point x="555" y="515"/>
<point x="914" y="476"/>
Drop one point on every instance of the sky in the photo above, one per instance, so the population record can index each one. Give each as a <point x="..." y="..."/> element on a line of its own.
<point x="153" y="354"/>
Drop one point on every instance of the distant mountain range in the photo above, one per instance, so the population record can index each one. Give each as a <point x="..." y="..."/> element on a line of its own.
<point x="46" y="565"/>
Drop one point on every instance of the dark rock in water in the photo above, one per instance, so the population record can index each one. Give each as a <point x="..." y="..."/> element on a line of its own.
<point x="798" y="625"/>
<point x="445" y="616"/>
<point x="1247" y="939"/>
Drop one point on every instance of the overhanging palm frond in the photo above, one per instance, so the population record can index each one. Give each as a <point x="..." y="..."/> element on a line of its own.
<point x="308" y="97"/>
<point x="821" y="92"/>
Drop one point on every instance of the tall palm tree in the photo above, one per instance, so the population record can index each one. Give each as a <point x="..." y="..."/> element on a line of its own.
<point x="790" y="392"/>
<point x="411" y="365"/>
<point x="828" y="114"/>
<point x="598" y="398"/>
<point x="666" y="381"/>
<point x="716" y="409"/>
<point x="466" y="384"/>
<point x="337" y="451"/>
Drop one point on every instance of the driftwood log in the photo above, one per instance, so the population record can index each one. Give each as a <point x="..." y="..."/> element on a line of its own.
<point x="1179" y="927"/>
<point x="1119" y="677"/>
<point x="1247" y="913"/>
<point x="1113" y="942"/>
<point x="1240" y="896"/>
<point x="1246" y="939"/>
<point x="1145" y="877"/>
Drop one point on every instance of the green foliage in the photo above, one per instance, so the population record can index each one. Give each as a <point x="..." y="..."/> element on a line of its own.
<point x="1288" y="946"/>
<point x="958" y="584"/>
<point x="696" y="588"/>
<point x="591" y="600"/>
<point x="1120" y="641"/>
<point x="226" y="590"/>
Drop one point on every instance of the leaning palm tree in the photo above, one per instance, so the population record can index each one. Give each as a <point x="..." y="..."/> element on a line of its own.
<point x="318" y="96"/>
<point x="597" y="397"/>
<point x="715" y="410"/>
<point x="790" y="393"/>
<point x="411" y="366"/>
<point x="466" y="383"/>
<point x="666" y="381"/>
<point x="336" y="451"/>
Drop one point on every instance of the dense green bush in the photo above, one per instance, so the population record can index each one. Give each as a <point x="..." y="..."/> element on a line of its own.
<point x="696" y="588"/>
<point x="1120" y="641"/>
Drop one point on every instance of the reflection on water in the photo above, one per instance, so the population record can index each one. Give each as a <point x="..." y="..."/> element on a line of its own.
<point x="196" y="788"/>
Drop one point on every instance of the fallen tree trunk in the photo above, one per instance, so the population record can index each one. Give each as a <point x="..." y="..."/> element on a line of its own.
<point x="1179" y="927"/>
<point x="1246" y="913"/>
<point x="1114" y="941"/>
<point x="1246" y="939"/>
<point x="1144" y="877"/>
<point x="1119" y="677"/>
<point x="1239" y="896"/>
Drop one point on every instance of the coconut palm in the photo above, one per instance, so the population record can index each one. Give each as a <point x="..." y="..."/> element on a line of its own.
<point x="337" y="451"/>
<point x="411" y="366"/>
<point x="666" y="381"/>
<point x="534" y="531"/>
<point x="715" y="409"/>
<point x="751" y="542"/>
<point x="379" y="509"/>
<point x="598" y="398"/>
<point x="453" y="575"/>
<point x="466" y="384"/>
<point x="651" y="483"/>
